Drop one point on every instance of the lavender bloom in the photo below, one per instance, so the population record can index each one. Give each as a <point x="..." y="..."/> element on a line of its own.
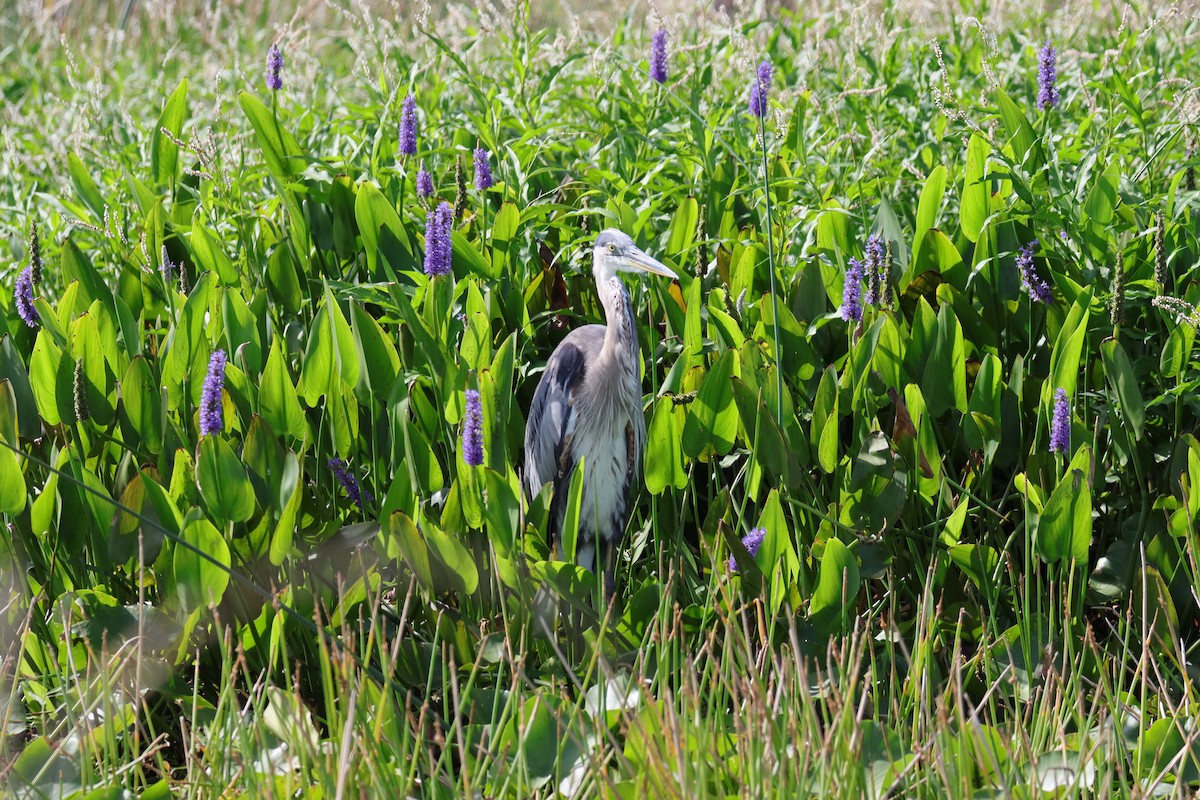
<point x="483" y="169"/>
<point x="274" y="67"/>
<point x="212" y="411"/>
<point x="752" y="541"/>
<point x="23" y="298"/>
<point x="438" y="224"/>
<point x="1038" y="289"/>
<point x="472" y="434"/>
<point x="758" y="92"/>
<point x="1060" y="425"/>
<point x="424" y="183"/>
<point x="852" y="309"/>
<point x="658" y="56"/>
<point x="875" y="266"/>
<point x="408" y="126"/>
<point x="1047" y="78"/>
<point x="349" y="482"/>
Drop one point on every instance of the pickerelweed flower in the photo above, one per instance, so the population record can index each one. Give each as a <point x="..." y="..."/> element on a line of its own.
<point x="35" y="254"/>
<point x="1160" y="248"/>
<point x="1047" y="78"/>
<point x="658" y="56"/>
<point x="438" y="224"/>
<point x="82" y="411"/>
<point x="852" y="309"/>
<point x="760" y="89"/>
<point x="212" y="410"/>
<point x="483" y="169"/>
<point x="274" y="68"/>
<point x="1038" y="289"/>
<point x="349" y="482"/>
<point x="408" y="126"/>
<point x="472" y="432"/>
<point x="874" y="265"/>
<point x="424" y="183"/>
<point x="1060" y="425"/>
<point x="752" y="541"/>
<point x="23" y="298"/>
<point x="1116" y="306"/>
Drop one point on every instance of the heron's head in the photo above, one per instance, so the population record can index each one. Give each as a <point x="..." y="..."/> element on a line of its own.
<point x="615" y="252"/>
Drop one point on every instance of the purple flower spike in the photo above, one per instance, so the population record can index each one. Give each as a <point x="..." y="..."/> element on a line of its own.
<point x="212" y="412"/>
<point x="472" y="435"/>
<point x="349" y="482"/>
<point x="274" y="68"/>
<point x="658" y="56"/>
<point x="438" y="225"/>
<point x="852" y="309"/>
<point x="1047" y="78"/>
<point x="752" y="541"/>
<point x="875" y="265"/>
<point x="408" y="126"/>
<point x="760" y="89"/>
<point x="483" y="169"/>
<point x="1038" y="289"/>
<point x="23" y="298"/>
<point x="424" y="183"/>
<point x="1060" y="425"/>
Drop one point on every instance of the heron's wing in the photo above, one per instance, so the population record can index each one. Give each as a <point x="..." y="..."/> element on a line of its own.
<point x="551" y="424"/>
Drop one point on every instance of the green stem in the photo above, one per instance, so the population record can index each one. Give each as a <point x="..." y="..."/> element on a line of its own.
<point x="762" y="132"/>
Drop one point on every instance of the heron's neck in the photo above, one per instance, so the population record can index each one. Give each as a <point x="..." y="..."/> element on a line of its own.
<point x="620" y="337"/>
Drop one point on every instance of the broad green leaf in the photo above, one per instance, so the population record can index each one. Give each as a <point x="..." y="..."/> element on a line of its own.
<point x="837" y="586"/>
<point x="43" y="376"/>
<point x="201" y="563"/>
<point x="282" y="155"/>
<point x="401" y="531"/>
<point x="210" y="256"/>
<point x="504" y="231"/>
<point x="460" y="567"/>
<point x="1020" y="132"/>
<point x="664" y="458"/>
<point x="85" y="185"/>
<point x="164" y="153"/>
<point x="927" y="208"/>
<point x="944" y="383"/>
<point x="141" y="405"/>
<point x="975" y="190"/>
<point x="573" y="515"/>
<point x="712" y="421"/>
<point x="1068" y="347"/>
<point x="682" y="233"/>
<point x="25" y="407"/>
<point x="223" y="482"/>
<point x="277" y="401"/>
<point x="292" y="492"/>
<point x="12" y="480"/>
<point x="1064" y="530"/>
<point x="383" y="232"/>
<point x="1119" y="372"/>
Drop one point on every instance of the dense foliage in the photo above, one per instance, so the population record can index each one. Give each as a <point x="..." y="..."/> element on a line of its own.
<point x="920" y="491"/>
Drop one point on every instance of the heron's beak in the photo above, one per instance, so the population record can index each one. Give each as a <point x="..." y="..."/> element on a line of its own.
<point x="638" y="260"/>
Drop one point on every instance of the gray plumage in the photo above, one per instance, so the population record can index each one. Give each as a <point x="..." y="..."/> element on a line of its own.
<point x="588" y="406"/>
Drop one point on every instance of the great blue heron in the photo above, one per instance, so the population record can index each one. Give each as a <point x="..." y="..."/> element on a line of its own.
<point x="588" y="407"/>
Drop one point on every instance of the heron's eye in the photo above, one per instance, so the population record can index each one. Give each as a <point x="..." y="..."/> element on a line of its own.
<point x="612" y="248"/>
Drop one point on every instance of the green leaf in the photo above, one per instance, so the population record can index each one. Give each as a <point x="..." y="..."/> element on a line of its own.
<point x="1068" y="347"/>
<point x="199" y="581"/>
<point x="25" y="408"/>
<point x="504" y="231"/>
<point x="282" y="155"/>
<point x="572" y="516"/>
<point x="164" y="153"/>
<point x="1119" y="372"/>
<point x="664" y="458"/>
<point x="944" y="383"/>
<point x="141" y="405"/>
<point x="404" y="534"/>
<point x="1020" y="132"/>
<point x="460" y="567"/>
<point x="291" y="489"/>
<point x="711" y="425"/>
<point x="43" y="376"/>
<point x="382" y="231"/>
<point x="277" y="401"/>
<point x="975" y="190"/>
<point x="682" y="233"/>
<point x="1064" y="530"/>
<point x="210" y="256"/>
<point x="927" y="209"/>
<point x="837" y="587"/>
<point x="12" y="480"/>
<point x="223" y="482"/>
<point x="85" y="186"/>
